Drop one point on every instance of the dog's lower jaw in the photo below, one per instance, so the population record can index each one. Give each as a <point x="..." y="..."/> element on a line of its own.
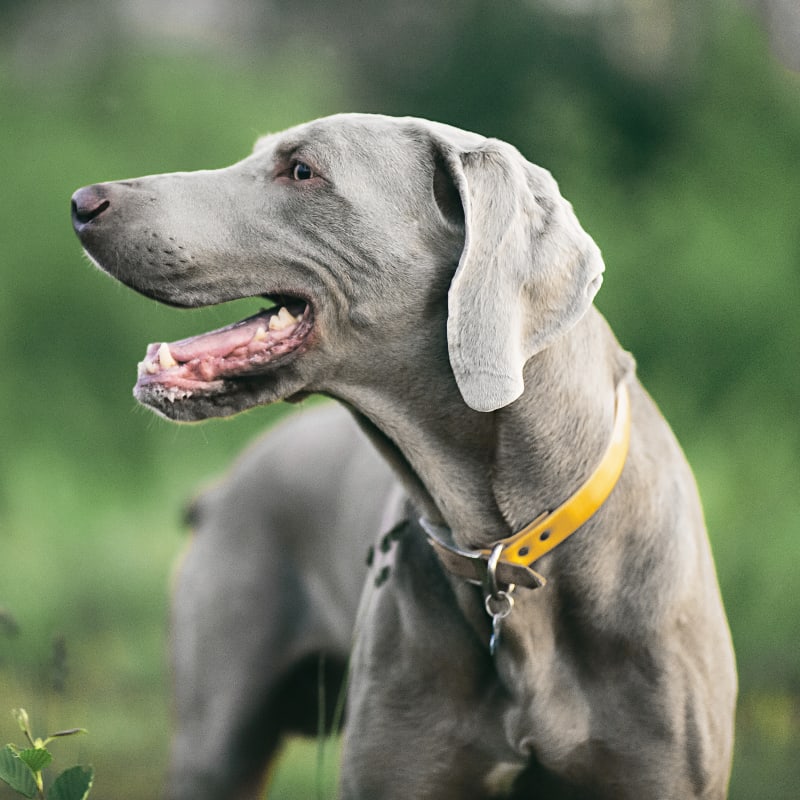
<point x="219" y="399"/>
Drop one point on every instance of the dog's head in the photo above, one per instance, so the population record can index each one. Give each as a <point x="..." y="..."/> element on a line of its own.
<point x="380" y="243"/>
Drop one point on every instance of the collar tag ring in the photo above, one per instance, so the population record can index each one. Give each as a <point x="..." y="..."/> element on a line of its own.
<point x="498" y="602"/>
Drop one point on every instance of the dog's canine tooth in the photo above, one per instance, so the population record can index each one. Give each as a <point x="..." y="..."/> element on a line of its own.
<point x="282" y="320"/>
<point x="165" y="358"/>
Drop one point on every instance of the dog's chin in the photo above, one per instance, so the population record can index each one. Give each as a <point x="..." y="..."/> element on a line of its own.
<point x="228" y="370"/>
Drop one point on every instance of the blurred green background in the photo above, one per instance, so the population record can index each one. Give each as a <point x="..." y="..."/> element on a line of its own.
<point x="673" y="127"/>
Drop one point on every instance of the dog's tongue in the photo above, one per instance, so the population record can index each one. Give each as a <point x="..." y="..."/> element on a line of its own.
<point x="222" y="342"/>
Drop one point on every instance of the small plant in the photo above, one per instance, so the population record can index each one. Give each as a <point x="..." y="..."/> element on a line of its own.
<point x="22" y="768"/>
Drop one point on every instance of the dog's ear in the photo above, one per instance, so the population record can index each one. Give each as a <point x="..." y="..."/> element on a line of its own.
<point x="527" y="273"/>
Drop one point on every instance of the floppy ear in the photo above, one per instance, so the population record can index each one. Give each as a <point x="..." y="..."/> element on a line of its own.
<point x="527" y="273"/>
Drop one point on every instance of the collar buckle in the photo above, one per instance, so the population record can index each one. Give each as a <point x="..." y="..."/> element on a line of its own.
<point x="472" y="565"/>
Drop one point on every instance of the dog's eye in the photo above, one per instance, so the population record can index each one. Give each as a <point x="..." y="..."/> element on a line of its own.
<point x="302" y="172"/>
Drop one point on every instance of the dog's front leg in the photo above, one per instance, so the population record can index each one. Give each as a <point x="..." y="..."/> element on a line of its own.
<point x="424" y="703"/>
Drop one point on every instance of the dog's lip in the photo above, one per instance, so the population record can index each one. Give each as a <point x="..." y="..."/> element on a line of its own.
<point x="208" y="363"/>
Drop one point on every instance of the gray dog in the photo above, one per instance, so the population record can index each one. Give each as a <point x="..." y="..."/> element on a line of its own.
<point x="437" y="283"/>
<point x="265" y="598"/>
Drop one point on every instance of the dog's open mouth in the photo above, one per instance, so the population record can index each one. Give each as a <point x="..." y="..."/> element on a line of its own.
<point x="207" y="364"/>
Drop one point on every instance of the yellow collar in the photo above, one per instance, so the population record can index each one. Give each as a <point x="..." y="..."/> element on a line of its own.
<point x="520" y="551"/>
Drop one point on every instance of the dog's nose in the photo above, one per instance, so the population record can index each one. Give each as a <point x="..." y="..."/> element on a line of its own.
<point x="88" y="204"/>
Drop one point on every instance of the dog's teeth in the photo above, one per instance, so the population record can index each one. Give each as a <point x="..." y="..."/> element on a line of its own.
<point x="165" y="357"/>
<point x="260" y="335"/>
<point x="282" y="320"/>
<point x="146" y="368"/>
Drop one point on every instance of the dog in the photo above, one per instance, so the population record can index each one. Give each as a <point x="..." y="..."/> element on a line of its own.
<point x="265" y="598"/>
<point x="437" y="284"/>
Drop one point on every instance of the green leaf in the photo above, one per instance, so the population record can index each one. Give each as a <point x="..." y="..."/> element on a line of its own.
<point x="16" y="773"/>
<point x="72" y="784"/>
<point x="37" y="758"/>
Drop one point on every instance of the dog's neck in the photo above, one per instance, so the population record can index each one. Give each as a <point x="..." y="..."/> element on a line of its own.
<point x="487" y="475"/>
<point x="550" y="440"/>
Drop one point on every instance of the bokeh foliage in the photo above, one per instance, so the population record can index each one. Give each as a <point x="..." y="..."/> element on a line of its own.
<point x="686" y="177"/>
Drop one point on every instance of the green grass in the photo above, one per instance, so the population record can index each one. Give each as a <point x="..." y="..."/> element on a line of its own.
<point x="302" y="774"/>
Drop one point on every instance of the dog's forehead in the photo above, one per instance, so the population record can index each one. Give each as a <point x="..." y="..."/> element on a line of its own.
<point x="364" y="132"/>
<point x="337" y="135"/>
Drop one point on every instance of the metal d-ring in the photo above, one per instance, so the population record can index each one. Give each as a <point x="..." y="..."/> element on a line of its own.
<point x="492" y="587"/>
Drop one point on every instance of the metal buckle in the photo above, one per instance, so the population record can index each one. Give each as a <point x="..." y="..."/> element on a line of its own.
<point x="471" y="564"/>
